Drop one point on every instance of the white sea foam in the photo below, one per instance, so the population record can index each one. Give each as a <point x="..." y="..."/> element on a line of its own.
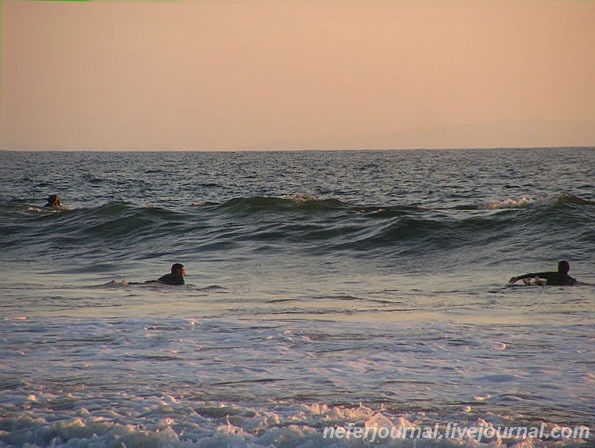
<point x="195" y="424"/>
<point x="514" y="203"/>
<point x="211" y="382"/>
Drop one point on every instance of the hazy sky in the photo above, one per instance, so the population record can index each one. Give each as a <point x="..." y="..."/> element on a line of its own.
<point x="297" y="74"/>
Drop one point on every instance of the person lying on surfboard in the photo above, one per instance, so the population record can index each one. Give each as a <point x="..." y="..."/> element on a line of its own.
<point x="175" y="277"/>
<point x="560" y="278"/>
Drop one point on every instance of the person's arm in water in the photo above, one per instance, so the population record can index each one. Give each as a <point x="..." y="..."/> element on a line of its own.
<point x="528" y="277"/>
<point x="550" y="278"/>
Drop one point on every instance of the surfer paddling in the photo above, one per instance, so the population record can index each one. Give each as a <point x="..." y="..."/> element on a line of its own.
<point x="175" y="277"/>
<point x="560" y="278"/>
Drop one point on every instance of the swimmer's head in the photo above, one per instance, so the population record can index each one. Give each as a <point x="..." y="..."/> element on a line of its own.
<point x="563" y="267"/>
<point x="53" y="200"/>
<point x="178" y="269"/>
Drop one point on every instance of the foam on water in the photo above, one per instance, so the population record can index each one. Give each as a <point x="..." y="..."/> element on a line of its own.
<point x="219" y="425"/>
<point x="213" y="382"/>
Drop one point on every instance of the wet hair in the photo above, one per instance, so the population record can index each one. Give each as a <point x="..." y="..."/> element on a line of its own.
<point x="563" y="267"/>
<point x="176" y="267"/>
<point x="53" y="199"/>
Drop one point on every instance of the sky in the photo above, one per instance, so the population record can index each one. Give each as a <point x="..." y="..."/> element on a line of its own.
<point x="296" y="74"/>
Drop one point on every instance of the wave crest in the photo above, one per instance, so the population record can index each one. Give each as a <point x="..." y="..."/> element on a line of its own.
<point x="524" y="202"/>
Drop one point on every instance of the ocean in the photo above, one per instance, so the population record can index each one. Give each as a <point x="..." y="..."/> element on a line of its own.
<point x="332" y="298"/>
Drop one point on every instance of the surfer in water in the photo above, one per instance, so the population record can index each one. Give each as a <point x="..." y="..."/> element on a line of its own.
<point x="53" y="201"/>
<point x="560" y="278"/>
<point x="175" y="277"/>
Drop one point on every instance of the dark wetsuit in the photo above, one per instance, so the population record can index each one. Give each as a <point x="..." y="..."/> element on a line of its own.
<point x="171" y="279"/>
<point x="552" y="278"/>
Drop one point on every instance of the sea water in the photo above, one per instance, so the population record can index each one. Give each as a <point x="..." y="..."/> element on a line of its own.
<point x="331" y="297"/>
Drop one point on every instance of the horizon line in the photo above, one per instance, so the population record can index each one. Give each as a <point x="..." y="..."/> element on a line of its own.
<point x="486" y="148"/>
